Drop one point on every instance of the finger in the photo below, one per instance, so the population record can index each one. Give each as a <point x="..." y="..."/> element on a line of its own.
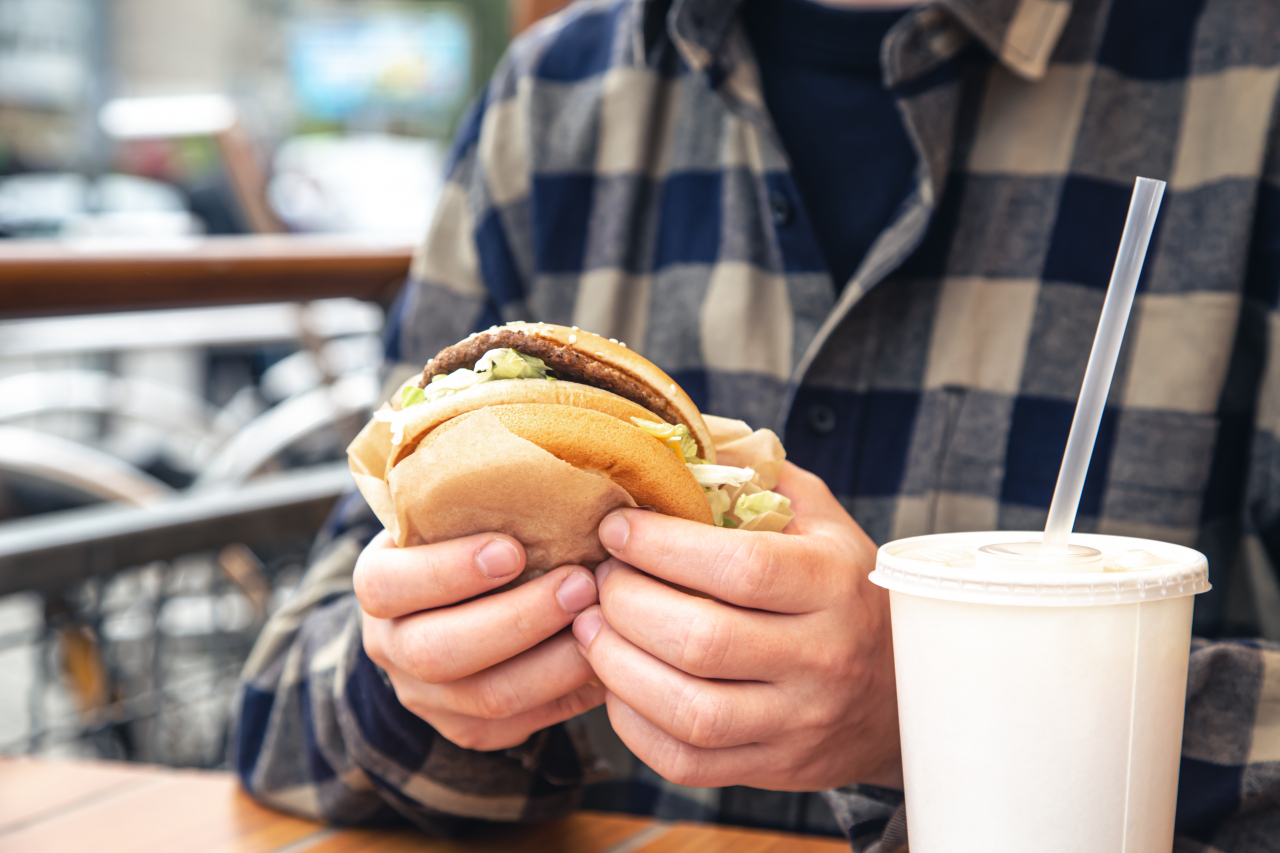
<point x="453" y="642"/>
<point x="549" y="670"/>
<point x="710" y="714"/>
<point x="488" y="735"/>
<point x="683" y="763"/>
<point x="391" y="581"/>
<point x="707" y="639"/>
<point x="767" y="571"/>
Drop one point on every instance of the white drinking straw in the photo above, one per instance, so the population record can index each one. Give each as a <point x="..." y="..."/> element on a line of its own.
<point x="1143" y="207"/>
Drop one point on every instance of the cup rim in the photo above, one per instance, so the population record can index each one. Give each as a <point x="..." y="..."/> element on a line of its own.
<point x="1188" y="575"/>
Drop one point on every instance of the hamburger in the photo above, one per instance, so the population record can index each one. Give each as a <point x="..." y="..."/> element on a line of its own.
<point x="538" y="430"/>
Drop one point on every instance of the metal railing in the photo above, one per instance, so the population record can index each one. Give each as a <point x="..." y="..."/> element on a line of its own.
<point x="134" y="621"/>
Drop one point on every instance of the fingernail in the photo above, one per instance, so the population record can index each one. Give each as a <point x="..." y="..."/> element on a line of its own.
<point x="586" y="626"/>
<point x="576" y="592"/>
<point x="498" y="559"/>
<point x="602" y="572"/>
<point x="614" y="531"/>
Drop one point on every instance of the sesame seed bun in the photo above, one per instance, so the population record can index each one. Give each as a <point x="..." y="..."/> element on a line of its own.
<point x="646" y="383"/>
<point x="596" y="441"/>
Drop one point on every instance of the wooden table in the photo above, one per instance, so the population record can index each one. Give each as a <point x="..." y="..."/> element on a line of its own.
<point x="48" y="806"/>
<point x="50" y="277"/>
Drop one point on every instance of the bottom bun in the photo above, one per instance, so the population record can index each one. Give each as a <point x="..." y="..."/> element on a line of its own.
<point x="483" y="479"/>
<point x="596" y="442"/>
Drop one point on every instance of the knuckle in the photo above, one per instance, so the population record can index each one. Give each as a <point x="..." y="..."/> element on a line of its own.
<point x="522" y="619"/>
<point x="579" y="701"/>
<point x="704" y="646"/>
<point x="662" y="548"/>
<point x="495" y="698"/>
<point x="705" y="719"/>
<point x="753" y="568"/>
<point x="815" y="717"/>
<point x="834" y="661"/>
<point x="431" y="657"/>
<point x="470" y="734"/>
<point x="812" y="719"/>
<point x="679" y="764"/>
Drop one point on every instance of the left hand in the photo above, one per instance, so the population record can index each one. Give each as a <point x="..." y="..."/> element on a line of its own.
<point x="785" y="683"/>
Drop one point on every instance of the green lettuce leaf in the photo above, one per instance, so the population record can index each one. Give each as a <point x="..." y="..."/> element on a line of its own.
<point x="495" y="364"/>
<point x="750" y="506"/>
<point x="509" y="364"/>
<point x="412" y="395"/>
<point x="719" y="500"/>
<point x="501" y="363"/>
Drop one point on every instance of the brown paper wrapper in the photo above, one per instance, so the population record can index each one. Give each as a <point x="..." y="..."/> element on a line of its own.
<point x="484" y="479"/>
<point x="738" y="446"/>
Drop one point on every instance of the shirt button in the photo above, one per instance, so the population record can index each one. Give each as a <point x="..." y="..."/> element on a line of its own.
<point x="822" y="419"/>
<point x="781" y="208"/>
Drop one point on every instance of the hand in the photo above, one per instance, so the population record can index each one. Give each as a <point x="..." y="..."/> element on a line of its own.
<point x="785" y="683"/>
<point x="488" y="672"/>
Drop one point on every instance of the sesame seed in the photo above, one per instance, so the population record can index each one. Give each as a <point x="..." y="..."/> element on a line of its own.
<point x="575" y="328"/>
<point x="621" y="344"/>
<point x="573" y="339"/>
<point x="673" y="386"/>
<point x="613" y="340"/>
<point x="600" y="354"/>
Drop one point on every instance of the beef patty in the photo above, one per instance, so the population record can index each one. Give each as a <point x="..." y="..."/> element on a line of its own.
<point x="566" y="362"/>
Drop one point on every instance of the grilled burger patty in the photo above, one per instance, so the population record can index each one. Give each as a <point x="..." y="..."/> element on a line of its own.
<point x="565" y="361"/>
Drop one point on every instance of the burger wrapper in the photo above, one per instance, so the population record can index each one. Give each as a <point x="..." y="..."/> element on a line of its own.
<point x="484" y="479"/>
<point x="738" y="446"/>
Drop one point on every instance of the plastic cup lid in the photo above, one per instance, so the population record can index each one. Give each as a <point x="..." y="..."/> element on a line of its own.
<point x="1006" y="576"/>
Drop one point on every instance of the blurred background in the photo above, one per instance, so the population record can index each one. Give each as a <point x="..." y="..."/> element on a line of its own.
<point x="206" y="207"/>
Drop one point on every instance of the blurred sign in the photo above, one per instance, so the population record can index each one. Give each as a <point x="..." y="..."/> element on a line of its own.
<point x="382" y="66"/>
<point x="43" y="51"/>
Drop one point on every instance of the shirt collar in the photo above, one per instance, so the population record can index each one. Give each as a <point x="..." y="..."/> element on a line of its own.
<point x="1021" y="33"/>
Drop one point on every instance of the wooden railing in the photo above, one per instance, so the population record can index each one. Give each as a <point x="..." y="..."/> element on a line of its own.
<point x="46" y="278"/>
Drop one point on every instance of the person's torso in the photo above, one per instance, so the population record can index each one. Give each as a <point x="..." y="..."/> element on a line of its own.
<point x="636" y="187"/>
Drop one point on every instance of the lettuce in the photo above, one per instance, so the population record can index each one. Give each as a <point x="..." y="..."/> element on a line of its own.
<point x="713" y="476"/>
<point x="750" y="506"/>
<point x="499" y="363"/>
<point x="412" y="395"/>
<point x="509" y="364"/>
<point x="719" y="500"/>
<point x="495" y="364"/>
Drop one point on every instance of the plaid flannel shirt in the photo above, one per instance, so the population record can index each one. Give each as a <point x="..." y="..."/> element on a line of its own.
<point x="620" y="173"/>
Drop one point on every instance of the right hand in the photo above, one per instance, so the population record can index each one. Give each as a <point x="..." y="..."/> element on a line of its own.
<point x="489" y="672"/>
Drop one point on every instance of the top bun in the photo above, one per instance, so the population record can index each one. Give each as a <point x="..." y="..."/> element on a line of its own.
<point x="588" y="359"/>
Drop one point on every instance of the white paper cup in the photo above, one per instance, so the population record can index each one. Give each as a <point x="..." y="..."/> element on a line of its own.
<point x="1040" y="710"/>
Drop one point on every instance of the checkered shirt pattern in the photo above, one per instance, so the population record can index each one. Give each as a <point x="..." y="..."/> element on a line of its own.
<point x="621" y="174"/>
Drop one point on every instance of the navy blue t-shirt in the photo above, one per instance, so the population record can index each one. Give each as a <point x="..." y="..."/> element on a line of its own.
<point x="850" y="156"/>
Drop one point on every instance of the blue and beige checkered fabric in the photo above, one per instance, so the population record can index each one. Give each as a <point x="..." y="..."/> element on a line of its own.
<point x="621" y="174"/>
